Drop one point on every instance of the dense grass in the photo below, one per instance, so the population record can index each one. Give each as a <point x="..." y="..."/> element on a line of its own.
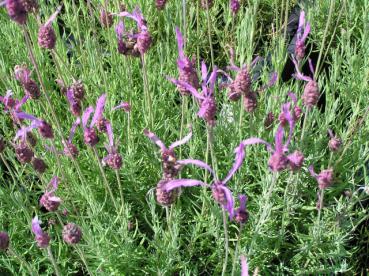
<point x="283" y="235"/>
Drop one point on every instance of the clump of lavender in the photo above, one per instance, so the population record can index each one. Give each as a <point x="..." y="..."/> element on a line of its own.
<point x="48" y="199"/>
<point x="42" y="238"/>
<point x="206" y="4"/>
<point x="335" y="142"/>
<point x="311" y="93"/>
<point x="160" y="4"/>
<point x="235" y="6"/>
<point x="143" y="36"/>
<point x="302" y="33"/>
<point x="106" y="18"/>
<point x="206" y="99"/>
<point x="186" y="67"/>
<point x="4" y="241"/>
<point x="46" y="33"/>
<point x="241" y="85"/>
<point x="72" y="234"/>
<point x="23" y="75"/>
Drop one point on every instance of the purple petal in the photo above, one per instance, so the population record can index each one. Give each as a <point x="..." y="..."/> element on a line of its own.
<point x="22" y="133"/>
<point x="21" y="102"/>
<point x="54" y="183"/>
<point x="184" y="140"/>
<point x="252" y="141"/>
<point x="86" y="115"/>
<point x="110" y="134"/>
<point x="212" y="80"/>
<point x="187" y="86"/>
<point x="279" y="139"/>
<point x="240" y="157"/>
<point x="53" y="16"/>
<point x="55" y="199"/>
<point x="202" y="111"/>
<point x="204" y="71"/>
<point x="180" y="44"/>
<point x="306" y="32"/>
<point x="293" y="97"/>
<point x="100" y="105"/>
<point x="291" y="122"/>
<point x="124" y="105"/>
<point x="230" y="204"/>
<point x="311" y="66"/>
<point x="244" y="266"/>
<point x="155" y="139"/>
<point x="330" y="132"/>
<point x="312" y="172"/>
<point x="177" y="183"/>
<point x="25" y="116"/>
<point x="197" y="163"/>
<point x="298" y="74"/>
<point x="243" y="200"/>
<point x="73" y="129"/>
<point x="301" y="22"/>
<point x="120" y="29"/>
<point x="256" y="59"/>
<point x="36" y="228"/>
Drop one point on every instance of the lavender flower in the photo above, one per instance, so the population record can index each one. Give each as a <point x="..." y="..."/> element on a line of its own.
<point x="235" y="6"/>
<point x="4" y="241"/>
<point x="311" y="93"/>
<point x="244" y="266"/>
<point x="72" y="234"/>
<point x="39" y="165"/>
<point x="90" y="135"/>
<point x="43" y="127"/>
<point x="302" y="33"/>
<point x="241" y="215"/>
<point x="106" y="18"/>
<point x="160" y="4"/>
<point x="296" y="112"/>
<point x="164" y="197"/>
<point x="207" y="101"/>
<point x="13" y="106"/>
<point x="42" y="238"/>
<point x="325" y="177"/>
<point x="278" y="161"/>
<point x="48" y="199"/>
<point x="16" y="11"/>
<point x="77" y="90"/>
<point x="334" y="143"/>
<point x="23" y="75"/>
<point x="221" y="193"/>
<point x="113" y="159"/>
<point x="46" y="33"/>
<point x="241" y="85"/>
<point x="186" y="67"/>
<point x="70" y="149"/>
<point x="171" y="166"/>
<point x="143" y="36"/>
<point x="296" y="160"/>
<point x="23" y="152"/>
<point x="126" y="48"/>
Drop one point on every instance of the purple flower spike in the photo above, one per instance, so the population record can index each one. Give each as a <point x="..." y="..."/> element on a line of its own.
<point x="296" y="160"/>
<point x="24" y="153"/>
<point x="16" y="11"/>
<point x="325" y="178"/>
<point x="44" y="128"/>
<point x="48" y="199"/>
<point x="160" y="4"/>
<point x="114" y="160"/>
<point x="46" y="33"/>
<point x="164" y="197"/>
<point x="302" y="33"/>
<point x="72" y="234"/>
<point x="171" y="166"/>
<point x="334" y="143"/>
<point x="186" y="67"/>
<point x="235" y="6"/>
<point x="42" y="238"/>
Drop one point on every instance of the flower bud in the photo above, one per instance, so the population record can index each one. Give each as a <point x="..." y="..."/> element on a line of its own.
<point x="50" y="202"/>
<point x="325" y="179"/>
<point x="4" y="240"/>
<point x="90" y="137"/>
<point x="311" y="94"/>
<point x="70" y="150"/>
<point x="16" y="11"/>
<point x="160" y="4"/>
<point x="72" y="234"/>
<point x="296" y="160"/>
<point x="43" y="240"/>
<point x="46" y="130"/>
<point x="277" y="162"/>
<point x="106" y="18"/>
<point x="46" y="37"/>
<point x="114" y="161"/>
<point x="24" y="153"/>
<point x="163" y="197"/>
<point x="334" y="143"/>
<point x="39" y="165"/>
<point x="77" y="90"/>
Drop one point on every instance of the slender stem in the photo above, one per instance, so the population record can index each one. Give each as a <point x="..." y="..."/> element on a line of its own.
<point x="22" y="261"/>
<point x="51" y="257"/>
<point x="198" y="32"/>
<point x="209" y="33"/>
<point x="235" y="258"/>
<point x="320" y="207"/>
<point x="304" y="125"/>
<point x="183" y="114"/>
<point x="211" y="146"/>
<point x="147" y="92"/>
<point x="241" y="119"/>
<point x="226" y="242"/>
<point x="58" y="58"/>
<point x="83" y="258"/>
<point x="8" y="167"/>
<point x="107" y="186"/>
<point x="286" y="20"/>
<point x="184" y="19"/>
<point x="119" y="187"/>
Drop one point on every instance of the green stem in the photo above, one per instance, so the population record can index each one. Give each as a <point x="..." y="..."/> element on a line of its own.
<point x="107" y="186"/>
<point x="226" y="242"/>
<point x="119" y="187"/>
<point x="209" y="34"/>
<point x="83" y="258"/>
<point x="147" y="92"/>
<point x="235" y="258"/>
<point x="51" y="257"/>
